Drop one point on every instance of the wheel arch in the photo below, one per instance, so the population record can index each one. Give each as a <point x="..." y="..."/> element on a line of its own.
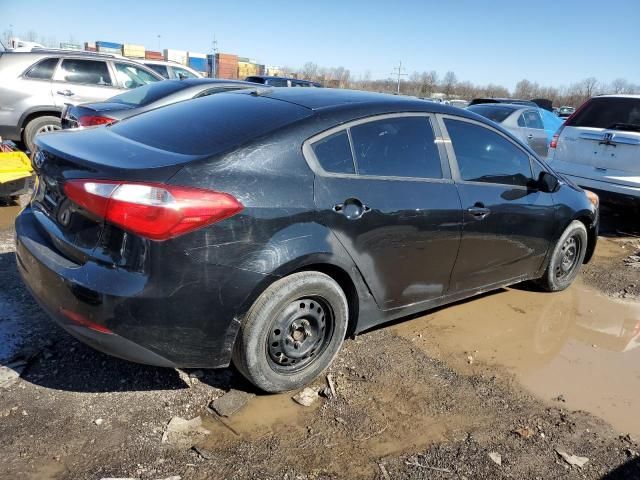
<point x="34" y="112"/>
<point x="591" y="225"/>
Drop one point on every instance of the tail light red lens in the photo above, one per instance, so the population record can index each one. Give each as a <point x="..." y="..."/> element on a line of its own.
<point x="554" y="140"/>
<point x="93" y="120"/>
<point x="155" y="211"/>
<point x="83" y="321"/>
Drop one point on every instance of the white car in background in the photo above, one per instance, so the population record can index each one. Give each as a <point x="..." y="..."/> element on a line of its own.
<point x="598" y="147"/>
<point x="171" y="70"/>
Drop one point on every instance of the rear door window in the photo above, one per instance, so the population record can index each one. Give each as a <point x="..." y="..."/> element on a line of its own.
<point x="533" y="120"/>
<point x="183" y="73"/>
<point x="161" y="69"/>
<point x="84" y="72"/>
<point x="397" y="147"/>
<point x="334" y="153"/>
<point x="609" y="112"/>
<point x="277" y="82"/>
<point x="131" y="76"/>
<point x="43" y="70"/>
<point x="485" y="156"/>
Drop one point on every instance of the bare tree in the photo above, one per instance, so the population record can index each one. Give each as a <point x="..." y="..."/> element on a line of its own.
<point x="449" y="83"/>
<point x="309" y="71"/>
<point x="619" y="85"/>
<point x="31" y="36"/>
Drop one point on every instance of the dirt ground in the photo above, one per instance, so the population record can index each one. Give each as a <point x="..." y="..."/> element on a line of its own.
<point x="494" y="387"/>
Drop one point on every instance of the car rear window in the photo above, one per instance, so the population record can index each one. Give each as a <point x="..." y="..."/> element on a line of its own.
<point x="149" y="93"/>
<point x="492" y="112"/>
<point x="211" y="124"/>
<point x="397" y="147"/>
<point x="608" y="112"/>
<point x="334" y="153"/>
<point x="43" y="70"/>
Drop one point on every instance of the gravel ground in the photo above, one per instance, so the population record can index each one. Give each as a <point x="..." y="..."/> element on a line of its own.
<point x="399" y="412"/>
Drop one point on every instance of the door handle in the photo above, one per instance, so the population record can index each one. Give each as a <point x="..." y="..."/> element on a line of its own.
<point x="352" y="208"/>
<point x="530" y="136"/>
<point x="66" y="93"/>
<point x="478" y="211"/>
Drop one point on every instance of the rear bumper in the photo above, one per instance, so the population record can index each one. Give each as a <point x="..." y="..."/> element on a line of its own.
<point x="130" y="315"/>
<point x="612" y="188"/>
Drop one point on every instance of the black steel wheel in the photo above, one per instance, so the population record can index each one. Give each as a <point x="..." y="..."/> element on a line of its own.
<point x="302" y="331"/>
<point x="566" y="258"/>
<point x="292" y="332"/>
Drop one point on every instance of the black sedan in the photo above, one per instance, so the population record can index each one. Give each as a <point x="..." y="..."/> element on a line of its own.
<point x="265" y="226"/>
<point x="145" y="98"/>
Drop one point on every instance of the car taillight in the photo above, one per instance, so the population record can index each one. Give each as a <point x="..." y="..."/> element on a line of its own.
<point x="155" y="211"/>
<point x="556" y="136"/>
<point x="567" y="122"/>
<point x="93" y="120"/>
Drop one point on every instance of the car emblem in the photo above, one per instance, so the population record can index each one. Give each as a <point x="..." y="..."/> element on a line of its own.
<point x="38" y="159"/>
<point x="608" y="136"/>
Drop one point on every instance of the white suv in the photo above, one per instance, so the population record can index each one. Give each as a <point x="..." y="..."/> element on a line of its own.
<point x="598" y="147"/>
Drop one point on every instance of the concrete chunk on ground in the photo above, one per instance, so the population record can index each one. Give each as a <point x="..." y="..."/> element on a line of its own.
<point x="306" y="397"/>
<point x="10" y="373"/>
<point x="573" y="460"/>
<point x="184" y="433"/>
<point x="231" y="402"/>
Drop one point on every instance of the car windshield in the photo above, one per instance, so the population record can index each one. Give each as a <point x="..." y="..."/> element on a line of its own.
<point x="608" y="112"/>
<point x="147" y="94"/>
<point x="492" y="111"/>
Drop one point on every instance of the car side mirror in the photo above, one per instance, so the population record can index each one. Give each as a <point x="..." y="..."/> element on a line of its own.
<point x="547" y="182"/>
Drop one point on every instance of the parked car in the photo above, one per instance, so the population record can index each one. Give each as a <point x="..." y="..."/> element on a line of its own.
<point x="35" y="86"/>
<point x="512" y="101"/>
<point x="264" y="226"/>
<point x="142" y="99"/>
<point x="522" y="121"/>
<point x="566" y="112"/>
<point x="172" y="70"/>
<point x="599" y="146"/>
<point x="281" y="81"/>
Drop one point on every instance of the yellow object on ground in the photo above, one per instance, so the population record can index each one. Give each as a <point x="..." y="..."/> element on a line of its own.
<point x="15" y="170"/>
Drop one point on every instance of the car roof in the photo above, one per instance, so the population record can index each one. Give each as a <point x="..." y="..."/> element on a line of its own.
<point x="512" y="106"/>
<point x="192" y="82"/>
<point x="618" y="95"/>
<point x="275" y="77"/>
<point x="343" y="99"/>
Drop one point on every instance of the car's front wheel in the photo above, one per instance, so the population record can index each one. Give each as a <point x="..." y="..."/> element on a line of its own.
<point x="566" y="259"/>
<point x="292" y="332"/>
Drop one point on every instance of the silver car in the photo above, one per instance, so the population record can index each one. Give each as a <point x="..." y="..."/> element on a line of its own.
<point x="523" y="121"/>
<point x="36" y="85"/>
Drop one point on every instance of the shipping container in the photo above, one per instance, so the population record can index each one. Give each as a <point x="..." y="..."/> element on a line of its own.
<point x="133" y="51"/>
<point x="198" y="61"/>
<point x="70" y="46"/>
<point x="179" y="56"/>
<point x="151" y="55"/>
<point x="226" y="66"/>
<point x="111" y="45"/>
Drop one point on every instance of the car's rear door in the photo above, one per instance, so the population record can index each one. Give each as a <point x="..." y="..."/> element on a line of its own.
<point x="536" y="134"/>
<point x="602" y="141"/>
<point x="395" y="209"/>
<point x="508" y="222"/>
<point x="81" y="81"/>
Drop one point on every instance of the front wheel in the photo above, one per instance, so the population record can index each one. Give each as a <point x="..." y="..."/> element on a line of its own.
<point x="566" y="259"/>
<point x="292" y="332"/>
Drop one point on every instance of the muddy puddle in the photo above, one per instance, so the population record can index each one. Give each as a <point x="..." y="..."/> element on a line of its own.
<point x="8" y="213"/>
<point x="578" y="345"/>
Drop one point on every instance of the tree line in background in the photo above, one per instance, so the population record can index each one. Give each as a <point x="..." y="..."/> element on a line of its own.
<point x="429" y="84"/>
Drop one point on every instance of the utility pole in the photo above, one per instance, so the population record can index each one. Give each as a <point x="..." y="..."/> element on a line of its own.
<point x="214" y="49"/>
<point x="159" y="37"/>
<point x="398" y="72"/>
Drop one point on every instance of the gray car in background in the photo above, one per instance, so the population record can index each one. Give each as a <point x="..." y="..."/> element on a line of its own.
<point x="35" y="86"/>
<point x="145" y="98"/>
<point x="523" y="121"/>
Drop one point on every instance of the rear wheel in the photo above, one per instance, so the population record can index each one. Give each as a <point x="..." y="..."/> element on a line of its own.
<point x="44" y="124"/>
<point x="566" y="259"/>
<point x="292" y="332"/>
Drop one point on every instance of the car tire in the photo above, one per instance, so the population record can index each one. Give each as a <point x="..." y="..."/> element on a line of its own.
<point x="566" y="258"/>
<point x="292" y="332"/>
<point x="39" y="125"/>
